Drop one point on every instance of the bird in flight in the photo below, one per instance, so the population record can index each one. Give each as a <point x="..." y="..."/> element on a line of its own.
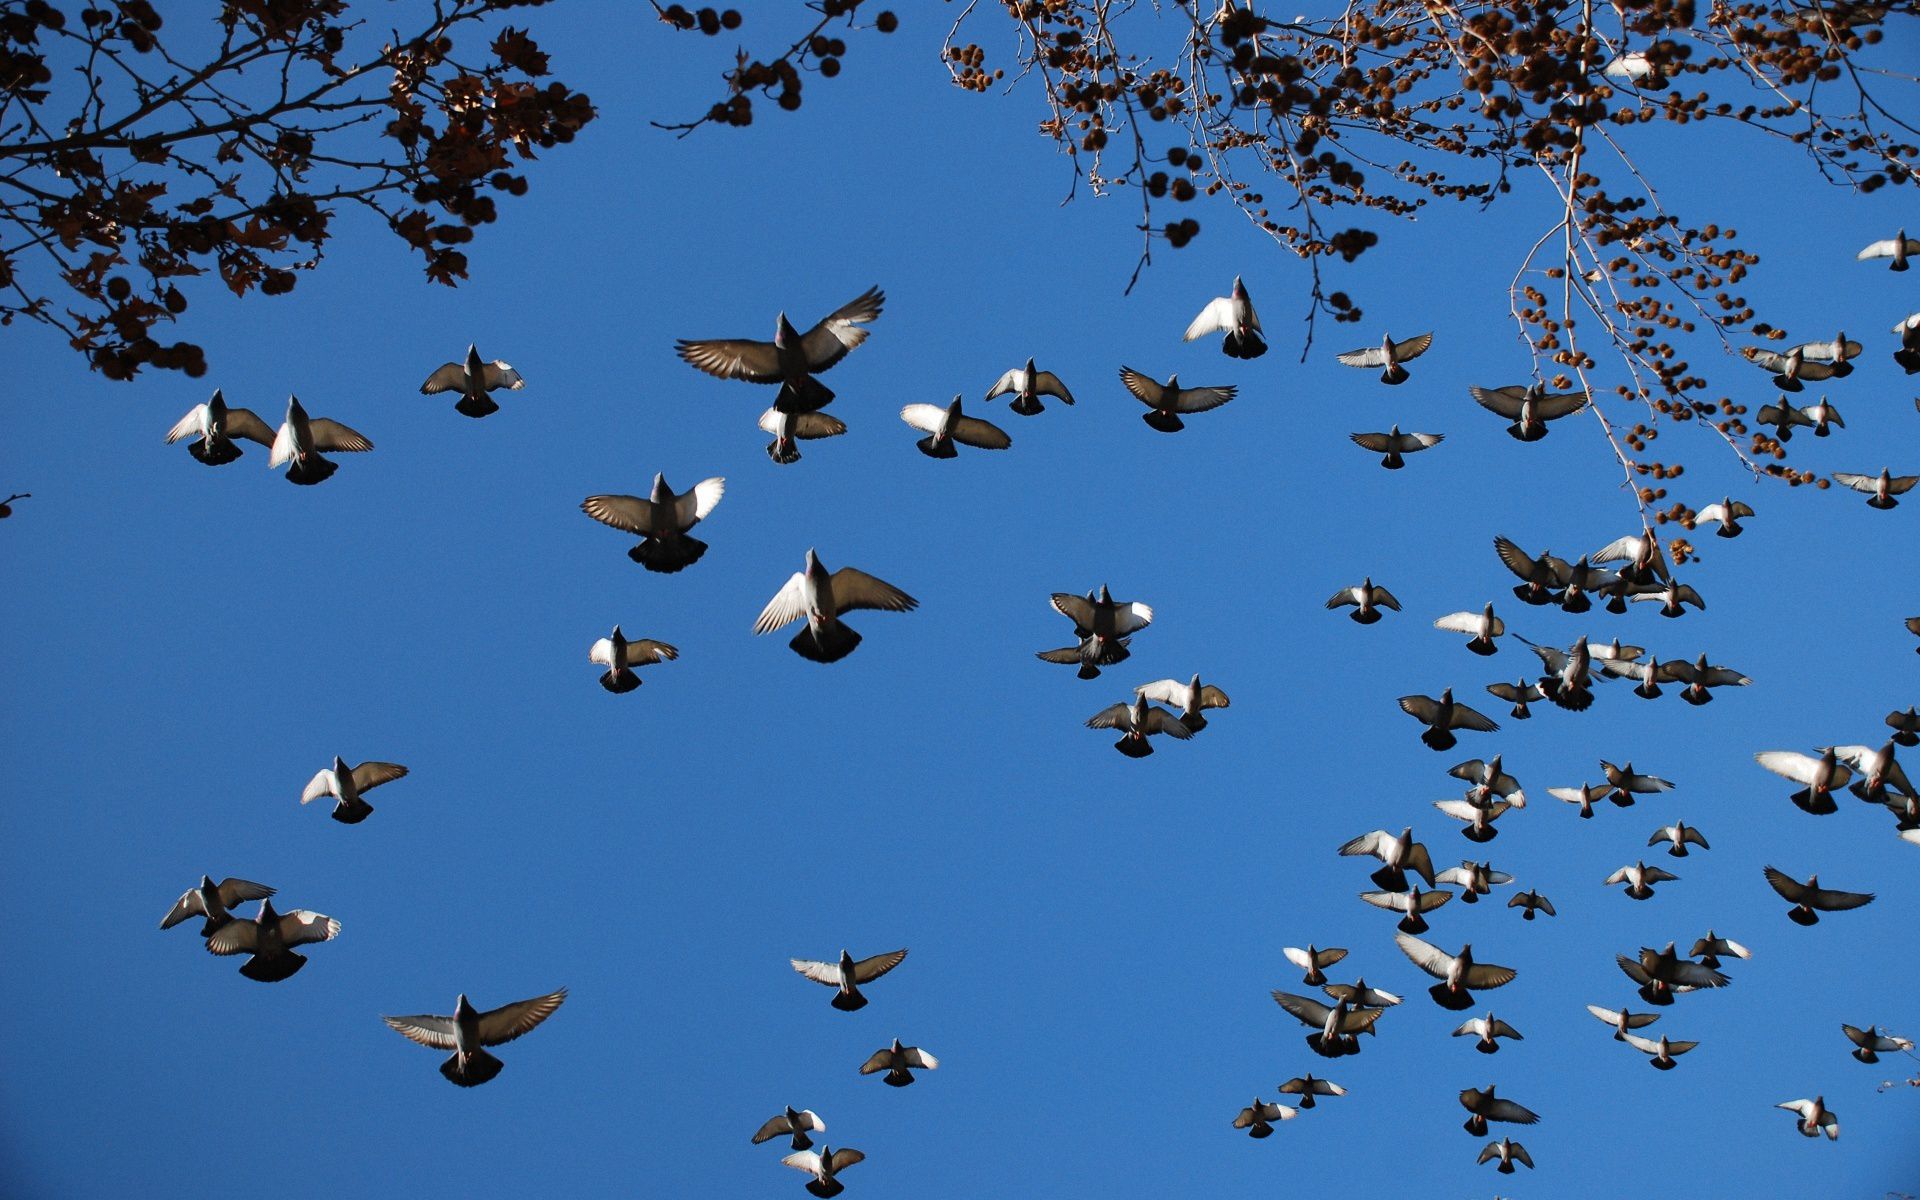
<point x="468" y="1032"/>
<point x="1168" y="401"/>
<point x="819" y="598"/>
<point x="1026" y="385"/>
<point x="620" y="656"/>
<point x="212" y="901"/>
<point x="301" y="439"/>
<point x="846" y="976"/>
<point x="213" y="426"/>
<point x="345" y="786"/>
<point x="791" y="359"/>
<point x="473" y="379"/>
<point x="660" y="521"/>
<point x="945" y="426"/>
<point x="1233" y="315"/>
<point x="270" y="937"/>
<point x="1388" y="356"/>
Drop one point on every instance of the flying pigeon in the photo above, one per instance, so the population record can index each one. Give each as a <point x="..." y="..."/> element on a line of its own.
<point x="1479" y="817"/>
<point x="1663" y="1051"/>
<point x="1897" y="248"/>
<point x="1398" y="854"/>
<point x="1489" y="779"/>
<point x="819" y="598"/>
<point x="1311" y="960"/>
<point x="1458" y="974"/>
<point x="620" y="656"/>
<point x="1101" y="615"/>
<point x="1879" y="771"/>
<point x="1190" y="698"/>
<point x="1483" y="625"/>
<point x="1258" y="1118"/>
<point x="1485" y="1106"/>
<point x="1520" y="694"/>
<point x="1822" y="418"/>
<point x="1819" y="777"/>
<point x="473" y="379"/>
<point x="789" y="429"/>
<point x="1508" y="1152"/>
<point x="1677" y="835"/>
<point x="270" y="938"/>
<point x="1137" y="722"/>
<point x="1026" y="385"/>
<point x="345" y="786"/>
<point x="824" y="1167"/>
<point x="1639" y="879"/>
<point x="1880" y="489"/>
<point x="1840" y="352"/>
<point x="1336" y="1027"/>
<point x="1908" y="355"/>
<point x="847" y="975"/>
<point x="1091" y="653"/>
<point x="1661" y="973"/>
<point x="1388" y="356"/>
<point x="1442" y="716"/>
<point x="791" y="359"/>
<point x="1307" y="1087"/>
<point x="1488" y="1029"/>
<point x="1167" y="401"/>
<point x="1533" y="904"/>
<point x="468" y="1031"/>
<point x="1790" y="368"/>
<point x="1870" y="1042"/>
<point x="1700" y="676"/>
<point x="1357" y="995"/>
<point x="301" y="439"/>
<point x="1711" y="948"/>
<point x="1810" y="899"/>
<point x="899" y="1062"/>
<point x="1630" y="783"/>
<point x="1395" y="446"/>
<point x="661" y="521"/>
<point x="1727" y="514"/>
<point x="212" y="901"/>
<point x="1412" y="903"/>
<point x="1623" y="1021"/>
<point x="792" y="1123"/>
<point x="1474" y="879"/>
<point x="1814" y="1115"/>
<point x="213" y="426"/>
<point x="1540" y="577"/>
<point x="945" y="426"/>
<point x="1906" y="725"/>
<point x="1585" y="795"/>
<point x="1529" y="407"/>
<point x="1366" y="600"/>
<point x="1233" y="315"/>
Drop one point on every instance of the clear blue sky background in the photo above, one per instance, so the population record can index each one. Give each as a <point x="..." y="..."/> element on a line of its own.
<point x="1093" y="938"/>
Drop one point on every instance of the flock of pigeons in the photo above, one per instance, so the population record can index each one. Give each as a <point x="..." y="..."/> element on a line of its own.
<point x="1632" y="569"/>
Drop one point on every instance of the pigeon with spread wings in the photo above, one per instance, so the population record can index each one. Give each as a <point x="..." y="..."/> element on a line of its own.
<point x="824" y="1166"/>
<point x="1395" y="446"/>
<point x="1443" y="716"/>
<point x="1167" y="401"/>
<point x="1809" y="899"/>
<point x="660" y="521"/>
<point x="1485" y="1106"/>
<point x="1458" y="974"/>
<point x="345" y="786"/>
<point x="269" y="938"/>
<point x="1529" y="407"/>
<point x="469" y="1031"/>
<point x="473" y="379"/>
<point x="1258" y="1118"/>
<point x="789" y="429"/>
<point x="620" y="656"/>
<point x="847" y="975"/>
<point x="793" y="1123"/>
<point x="899" y="1062"/>
<point x="1190" y="698"/>
<point x="213" y="426"/>
<point x="1026" y="385"/>
<point x="1880" y="489"/>
<point x="1388" y="356"/>
<point x="1137" y="722"/>
<point x="819" y="598"/>
<point x="791" y="359"/>
<point x="945" y="426"/>
<point x="212" y="901"/>
<point x="1232" y="315"/>
<point x="1898" y="248"/>
<point x="301" y="439"/>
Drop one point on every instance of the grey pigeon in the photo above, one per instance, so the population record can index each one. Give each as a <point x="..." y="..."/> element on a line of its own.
<point x="345" y="786"/>
<point x="818" y="598"/>
<point x="212" y="901"/>
<point x="794" y="1123"/>
<point x="899" y="1062"/>
<point x="1137" y="722"/>
<point x="1880" y="489"/>
<point x="1458" y="974"/>
<point x="469" y="1031"/>
<point x="1388" y="356"/>
<point x="1167" y="401"/>
<point x="660" y="521"/>
<point x="620" y="656"/>
<point x="1233" y="315"/>
<point x="473" y="379"/>
<point x="1443" y="716"/>
<point x="846" y="976"/>
<point x="1395" y="446"/>
<point x="789" y="429"/>
<point x="1529" y="407"/>
<point x="213" y="426"/>
<point x="1026" y="385"/>
<point x="791" y="359"/>
<point x="1259" y="1117"/>
<point x="269" y="938"/>
<point x="301" y="439"/>
<point x="946" y="426"/>
<point x="1485" y="1106"/>
<point x="824" y="1167"/>
<point x="1809" y="899"/>
<point x="1898" y="248"/>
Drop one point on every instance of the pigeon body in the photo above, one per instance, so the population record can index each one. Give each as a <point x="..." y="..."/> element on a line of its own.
<point x="789" y="429"/>
<point x="1444" y="715"/>
<point x="269" y="939"/>
<point x="1233" y="315"/>
<point x="1137" y="722"/>
<point x="1259" y="1118"/>
<point x="1870" y="1043"/>
<point x="1711" y="948"/>
<point x="1485" y="1106"/>
<point x="899" y="1062"/>
<point x="1790" y="368"/>
<point x="1307" y="1087"/>
<point x="1090" y="653"/>
<point x="1810" y="899"/>
<point x="1532" y="904"/>
<point x="1880" y="489"/>
<point x="1026" y="385"/>
<point x="213" y="901"/>
<point x="469" y="1031"/>
<point x="1394" y="446"/>
<point x="1167" y="401"/>
<point x="1661" y="973"/>
<point x="793" y="1123"/>
<point x="346" y="785"/>
<point x="1521" y="693"/>
<point x="1311" y="960"/>
<point x="819" y="598"/>
<point x="1474" y="880"/>
<point x="301" y="439"/>
<point x="1365" y="599"/>
<point x="1412" y="903"/>
<point x="1727" y="514"/>
<point x="1898" y="248"/>
<point x="947" y="426"/>
<point x="1815" y="1118"/>
<point x="473" y="379"/>
<point x="1662" y="1050"/>
<point x="1191" y="698"/>
<point x="620" y="656"/>
<point x="1640" y="879"/>
<point x="1529" y="407"/>
<point x="1336" y="1027"/>
<point x="1820" y="777"/>
<point x="1585" y="795"/>
<point x="1388" y="356"/>
<point x="1483" y="626"/>
<point x="1623" y="1022"/>
<point x="1677" y="836"/>
<point x="846" y="975"/>
<point x="1458" y="974"/>
<point x="824" y="1167"/>
<point x="661" y="521"/>
<point x="791" y="359"/>
<point x="1488" y="1029"/>
<point x="213" y="426"/>
<point x="1397" y="855"/>
<point x="1508" y="1152"/>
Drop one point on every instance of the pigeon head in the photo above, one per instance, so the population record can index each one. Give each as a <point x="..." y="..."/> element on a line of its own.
<point x="218" y="404"/>
<point x="1030" y="372"/>
<point x="473" y="360"/>
<point x="816" y="571"/>
<point x="1239" y="289"/>
<point x="294" y="411"/>
<point x="846" y="960"/>
<point x="266" y="915"/>
<point x="784" y="334"/>
<point x="662" y="494"/>
<point x="897" y="1047"/>
<point x="953" y="410"/>
<point x="340" y="766"/>
<point x="206" y="883"/>
<point x="616" y="634"/>
<point x="1106" y="597"/>
<point x="1173" y="383"/>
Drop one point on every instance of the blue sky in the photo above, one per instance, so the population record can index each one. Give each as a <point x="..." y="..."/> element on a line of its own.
<point x="1093" y="938"/>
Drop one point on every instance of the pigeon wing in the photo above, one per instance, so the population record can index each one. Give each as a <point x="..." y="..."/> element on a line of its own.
<point x="449" y="377"/>
<point x="820" y="972"/>
<point x="1412" y="348"/>
<point x="1216" y="317"/>
<point x="840" y="331"/>
<point x="733" y="358"/>
<point x="332" y="435"/>
<point x="509" y="1021"/>
<point x="927" y="418"/>
<point x="303" y="925"/>
<point x="373" y="774"/>
<point x="854" y="589"/>
<point x="1193" y="400"/>
<point x="1144" y="390"/>
<point x="869" y="969"/>
<point x="242" y="423"/>
<point x="426" y="1029"/>
<point x="1429" y="958"/>
<point x="972" y="431"/>
<point x="630" y="514"/>
<point x="788" y="605"/>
